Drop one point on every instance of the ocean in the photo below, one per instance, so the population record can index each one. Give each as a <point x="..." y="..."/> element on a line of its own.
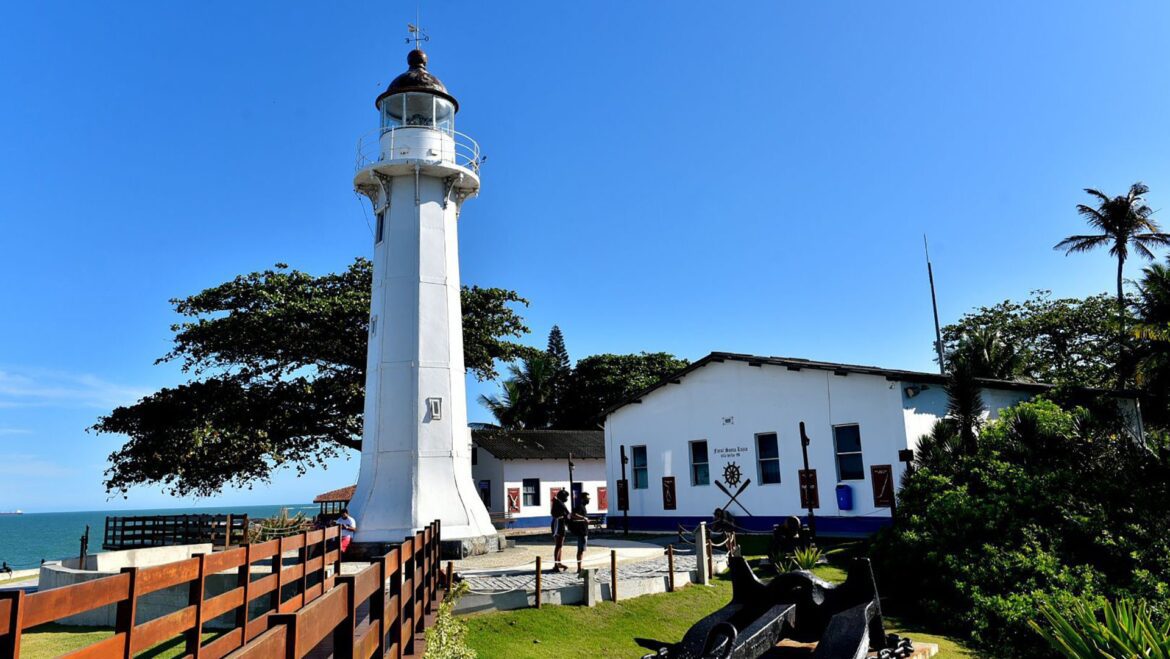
<point x="26" y="539"/>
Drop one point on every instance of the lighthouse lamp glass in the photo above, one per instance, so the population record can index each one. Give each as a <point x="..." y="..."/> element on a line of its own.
<point x="416" y="109"/>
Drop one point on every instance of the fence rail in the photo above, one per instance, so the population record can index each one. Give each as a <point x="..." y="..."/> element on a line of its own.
<point x="287" y="585"/>
<point x="381" y="611"/>
<point x="221" y="531"/>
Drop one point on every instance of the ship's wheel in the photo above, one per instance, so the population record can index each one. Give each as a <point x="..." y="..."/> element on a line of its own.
<point x="732" y="474"/>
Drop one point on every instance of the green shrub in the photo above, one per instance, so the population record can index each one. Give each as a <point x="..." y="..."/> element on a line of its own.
<point x="1124" y="629"/>
<point x="806" y="558"/>
<point x="1053" y="507"/>
<point x="280" y="525"/>
<point x="447" y="638"/>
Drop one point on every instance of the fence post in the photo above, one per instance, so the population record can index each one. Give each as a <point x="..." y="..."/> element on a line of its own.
<point x="289" y="620"/>
<point x="10" y="644"/>
<point x="303" y="556"/>
<point x="538" y="582"/>
<point x="343" y="633"/>
<point x="450" y="575"/>
<point x="613" y="576"/>
<point x="127" y="611"/>
<point x="227" y="532"/>
<point x="245" y="580"/>
<point x="378" y="608"/>
<point x="396" y="589"/>
<point x="278" y="569"/>
<point x="195" y="598"/>
<point x="409" y="596"/>
<point x="428" y="565"/>
<point x="702" y="564"/>
<point x="670" y="568"/>
<point x="710" y="556"/>
<point x="420" y="581"/>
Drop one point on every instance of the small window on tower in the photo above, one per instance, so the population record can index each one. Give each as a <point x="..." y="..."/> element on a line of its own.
<point x="380" y="229"/>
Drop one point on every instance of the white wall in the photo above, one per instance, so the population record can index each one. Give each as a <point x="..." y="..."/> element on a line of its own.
<point x="763" y="399"/>
<point x="930" y="404"/>
<point x="553" y="474"/>
<point x="759" y="399"/>
<point x="505" y="474"/>
<point x="488" y="468"/>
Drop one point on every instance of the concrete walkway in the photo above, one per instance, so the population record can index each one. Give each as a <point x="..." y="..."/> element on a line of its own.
<point x="642" y="571"/>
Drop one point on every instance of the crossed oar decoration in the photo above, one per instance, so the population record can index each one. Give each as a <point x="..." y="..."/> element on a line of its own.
<point x="734" y="496"/>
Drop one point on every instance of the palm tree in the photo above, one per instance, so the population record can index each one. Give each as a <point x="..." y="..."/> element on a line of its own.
<point x="1153" y="303"/>
<point x="988" y="356"/>
<point x="528" y="397"/>
<point x="1124" y="222"/>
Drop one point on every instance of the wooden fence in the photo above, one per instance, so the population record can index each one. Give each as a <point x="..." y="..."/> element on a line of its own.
<point x="221" y="531"/>
<point x="285" y="587"/>
<point x="381" y="611"/>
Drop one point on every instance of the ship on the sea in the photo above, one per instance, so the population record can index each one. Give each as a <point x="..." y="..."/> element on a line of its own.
<point x="9" y="513"/>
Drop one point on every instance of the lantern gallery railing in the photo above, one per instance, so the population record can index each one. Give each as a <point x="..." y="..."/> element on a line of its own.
<point x="437" y="146"/>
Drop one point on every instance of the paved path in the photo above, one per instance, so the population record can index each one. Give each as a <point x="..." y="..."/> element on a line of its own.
<point x="503" y="581"/>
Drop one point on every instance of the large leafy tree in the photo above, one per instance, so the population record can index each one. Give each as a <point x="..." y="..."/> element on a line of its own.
<point x="601" y="381"/>
<point x="1122" y="223"/>
<point x="277" y="361"/>
<point x="1067" y="341"/>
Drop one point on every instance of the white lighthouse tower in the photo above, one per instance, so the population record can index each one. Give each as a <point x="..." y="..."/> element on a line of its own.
<point x="416" y="449"/>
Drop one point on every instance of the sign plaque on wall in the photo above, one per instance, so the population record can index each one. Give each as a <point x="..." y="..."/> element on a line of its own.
<point x="513" y="499"/>
<point x="623" y="494"/>
<point x="668" y="500"/>
<point x="602" y="499"/>
<point x="882" y="479"/>
<point x="810" y="497"/>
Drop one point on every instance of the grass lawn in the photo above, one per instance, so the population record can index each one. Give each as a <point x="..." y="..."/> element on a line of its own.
<point x="610" y="630"/>
<point x="52" y="640"/>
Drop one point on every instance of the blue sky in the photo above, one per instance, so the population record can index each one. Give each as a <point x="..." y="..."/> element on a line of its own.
<point x="756" y="179"/>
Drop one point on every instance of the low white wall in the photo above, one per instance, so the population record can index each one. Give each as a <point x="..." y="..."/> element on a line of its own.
<point x="59" y="574"/>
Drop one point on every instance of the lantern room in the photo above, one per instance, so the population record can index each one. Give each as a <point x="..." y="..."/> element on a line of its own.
<point x="417" y="115"/>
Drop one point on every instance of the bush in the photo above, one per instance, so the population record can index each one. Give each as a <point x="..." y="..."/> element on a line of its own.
<point x="280" y="525"/>
<point x="1124" y="629"/>
<point x="447" y="638"/>
<point x="806" y="558"/>
<point x="1050" y="508"/>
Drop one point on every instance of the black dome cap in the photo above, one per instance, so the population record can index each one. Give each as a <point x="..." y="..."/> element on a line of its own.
<point x="417" y="79"/>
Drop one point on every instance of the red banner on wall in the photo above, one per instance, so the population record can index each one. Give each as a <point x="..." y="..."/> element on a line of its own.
<point x="623" y="494"/>
<point x="810" y="496"/>
<point x="882" y="479"/>
<point x="513" y="499"/>
<point x="602" y="499"/>
<point x="668" y="500"/>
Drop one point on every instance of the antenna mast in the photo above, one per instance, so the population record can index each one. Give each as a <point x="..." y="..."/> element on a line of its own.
<point x="938" y="344"/>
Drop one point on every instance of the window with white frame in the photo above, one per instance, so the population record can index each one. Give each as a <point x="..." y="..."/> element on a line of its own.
<point x="380" y="229"/>
<point x="768" y="458"/>
<point x="700" y="469"/>
<point x="531" y="491"/>
<point x="641" y="470"/>
<point x="847" y="440"/>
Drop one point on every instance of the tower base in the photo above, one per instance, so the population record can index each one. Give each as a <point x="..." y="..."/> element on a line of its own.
<point x="449" y="550"/>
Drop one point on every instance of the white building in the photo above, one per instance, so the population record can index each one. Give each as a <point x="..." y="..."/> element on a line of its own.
<point x="729" y="418"/>
<point x="517" y="472"/>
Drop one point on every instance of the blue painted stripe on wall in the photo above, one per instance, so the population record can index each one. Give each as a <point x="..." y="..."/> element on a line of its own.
<point x="825" y="525"/>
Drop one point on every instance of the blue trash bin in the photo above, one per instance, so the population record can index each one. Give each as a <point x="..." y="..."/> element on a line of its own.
<point x="844" y="496"/>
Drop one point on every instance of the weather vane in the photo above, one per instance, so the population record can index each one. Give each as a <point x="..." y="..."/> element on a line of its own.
<point x="417" y="34"/>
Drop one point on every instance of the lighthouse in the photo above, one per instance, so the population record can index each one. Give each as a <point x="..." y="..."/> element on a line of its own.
<point x="417" y="171"/>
